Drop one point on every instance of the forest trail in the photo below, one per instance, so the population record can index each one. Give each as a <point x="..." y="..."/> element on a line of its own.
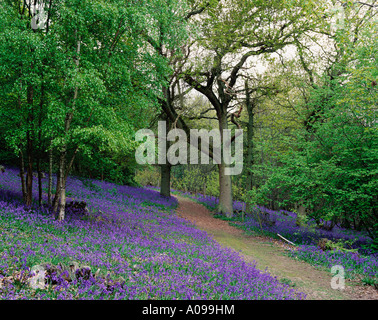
<point x="316" y="284"/>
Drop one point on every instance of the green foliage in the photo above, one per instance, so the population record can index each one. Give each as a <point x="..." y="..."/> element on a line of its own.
<point x="370" y="282"/>
<point x="196" y="178"/>
<point x="149" y="176"/>
<point x="253" y="197"/>
<point x="374" y="244"/>
<point x="84" y="83"/>
<point x="339" y="245"/>
<point x="329" y="164"/>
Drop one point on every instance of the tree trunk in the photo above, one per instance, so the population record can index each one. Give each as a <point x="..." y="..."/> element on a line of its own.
<point x="22" y="176"/>
<point x="62" y="189"/>
<point x="49" y="196"/>
<point x="63" y="176"/>
<point x="250" y="135"/>
<point x="39" y="182"/>
<point x="165" y="180"/>
<point x="62" y="208"/>
<point x="40" y="147"/>
<point x="225" y="182"/>
<point x="301" y="213"/>
<point x="29" y="176"/>
<point x="63" y="154"/>
<point x="29" y="150"/>
<point x="55" y="203"/>
<point x="225" y="193"/>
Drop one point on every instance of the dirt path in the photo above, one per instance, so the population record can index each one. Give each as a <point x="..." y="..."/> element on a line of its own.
<point x="268" y="255"/>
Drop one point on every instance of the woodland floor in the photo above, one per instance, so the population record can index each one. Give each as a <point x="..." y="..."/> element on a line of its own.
<point x="270" y="255"/>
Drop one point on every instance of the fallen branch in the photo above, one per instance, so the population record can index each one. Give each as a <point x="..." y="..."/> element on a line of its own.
<point x="286" y="239"/>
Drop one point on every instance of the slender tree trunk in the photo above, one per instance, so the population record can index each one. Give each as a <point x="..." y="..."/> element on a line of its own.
<point x="62" y="190"/>
<point x="65" y="170"/>
<point x="55" y="203"/>
<point x="22" y="176"/>
<point x="29" y="149"/>
<point x="62" y="208"/>
<point x="62" y="175"/>
<point x="40" y="148"/>
<point x="250" y="105"/>
<point x="71" y="163"/>
<point x="22" y="162"/>
<point x="63" y="153"/>
<point x="49" y="195"/>
<point x="29" y="175"/>
<point x="39" y="182"/>
<point x="250" y="135"/>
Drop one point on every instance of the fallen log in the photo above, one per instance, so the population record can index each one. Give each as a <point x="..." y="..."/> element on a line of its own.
<point x="286" y="239"/>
